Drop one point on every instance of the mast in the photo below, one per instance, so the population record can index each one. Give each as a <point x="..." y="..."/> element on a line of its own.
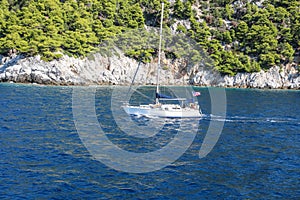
<point x="159" y="52"/>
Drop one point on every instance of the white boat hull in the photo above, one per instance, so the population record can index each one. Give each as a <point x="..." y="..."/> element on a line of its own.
<point x="167" y="111"/>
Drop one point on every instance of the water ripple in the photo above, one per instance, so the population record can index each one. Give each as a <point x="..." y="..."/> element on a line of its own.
<point x="42" y="156"/>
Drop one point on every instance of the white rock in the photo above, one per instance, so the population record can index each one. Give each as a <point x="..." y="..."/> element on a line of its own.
<point x="39" y="77"/>
<point x="120" y="70"/>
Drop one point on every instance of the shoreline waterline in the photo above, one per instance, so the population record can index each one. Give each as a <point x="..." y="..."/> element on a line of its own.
<point x="150" y="85"/>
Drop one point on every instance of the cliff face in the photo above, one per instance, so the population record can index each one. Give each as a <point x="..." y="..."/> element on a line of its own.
<point x="275" y="78"/>
<point x="96" y="69"/>
<point x="119" y="70"/>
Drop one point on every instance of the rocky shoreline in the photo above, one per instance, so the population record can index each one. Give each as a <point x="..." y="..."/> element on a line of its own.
<point x="119" y="70"/>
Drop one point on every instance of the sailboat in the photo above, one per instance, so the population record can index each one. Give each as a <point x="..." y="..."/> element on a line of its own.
<point x="182" y="108"/>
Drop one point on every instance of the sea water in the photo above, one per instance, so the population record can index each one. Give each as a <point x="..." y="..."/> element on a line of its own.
<point x="42" y="155"/>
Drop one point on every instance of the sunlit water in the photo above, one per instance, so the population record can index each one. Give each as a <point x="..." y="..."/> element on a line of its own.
<point x="42" y="156"/>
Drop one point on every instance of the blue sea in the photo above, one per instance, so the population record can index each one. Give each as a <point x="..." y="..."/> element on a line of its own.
<point x="43" y="155"/>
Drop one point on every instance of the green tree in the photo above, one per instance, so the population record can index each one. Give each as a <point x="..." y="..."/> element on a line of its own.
<point x="294" y="9"/>
<point x="268" y="59"/>
<point x="229" y="12"/>
<point x="286" y="52"/>
<point x="229" y="64"/>
<point x="261" y="40"/>
<point x="4" y="14"/>
<point x="199" y="31"/>
<point x="241" y="31"/>
<point x="130" y="16"/>
<point x="14" y="36"/>
<point x="248" y="64"/>
<point x="227" y="37"/>
<point x="214" y="49"/>
<point x="285" y="34"/>
<point x="179" y="9"/>
<point x="260" y="36"/>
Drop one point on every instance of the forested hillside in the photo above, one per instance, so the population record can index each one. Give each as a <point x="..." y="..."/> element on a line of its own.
<point x="240" y="36"/>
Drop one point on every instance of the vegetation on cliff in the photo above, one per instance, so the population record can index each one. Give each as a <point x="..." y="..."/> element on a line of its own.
<point x="239" y="35"/>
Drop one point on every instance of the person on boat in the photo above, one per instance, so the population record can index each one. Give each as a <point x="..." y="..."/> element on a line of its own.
<point x="157" y="105"/>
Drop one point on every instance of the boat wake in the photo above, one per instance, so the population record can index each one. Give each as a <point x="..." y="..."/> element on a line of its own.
<point x="227" y="119"/>
<point x="248" y="119"/>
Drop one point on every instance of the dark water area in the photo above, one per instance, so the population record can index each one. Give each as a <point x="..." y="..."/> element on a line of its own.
<point x="42" y="156"/>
